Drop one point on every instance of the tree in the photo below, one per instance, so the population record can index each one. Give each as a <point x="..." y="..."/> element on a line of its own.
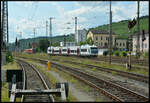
<point x="89" y="41"/>
<point x="43" y="45"/>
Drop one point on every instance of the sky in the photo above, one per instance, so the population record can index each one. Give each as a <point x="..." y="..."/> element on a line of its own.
<point x="24" y="16"/>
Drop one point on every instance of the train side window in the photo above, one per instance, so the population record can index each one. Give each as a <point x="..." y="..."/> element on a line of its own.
<point x="83" y="50"/>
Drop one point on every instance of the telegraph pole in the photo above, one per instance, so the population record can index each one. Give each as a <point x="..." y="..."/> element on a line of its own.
<point x="46" y="28"/>
<point x="4" y="31"/>
<point x="34" y="34"/>
<point x="20" y="46"/>
<point x="110" y="34"/>
<point x="138" y="34"/>
<point x="76" y="29"/>
<point x="51" y="31"/>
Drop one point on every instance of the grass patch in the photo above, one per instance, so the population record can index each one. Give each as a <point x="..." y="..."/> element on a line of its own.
<point x="73" y="80"/>
<point x="98" y="100"/>
<point x="4" y="93"/>
<point x="87" y="88"/>
<point x="9" y="66"/>
<point x="114" y="73"/>
<point x="94" y="69"/>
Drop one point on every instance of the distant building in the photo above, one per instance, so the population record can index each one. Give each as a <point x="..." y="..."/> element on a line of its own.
<point x="81" y="35"/>
<point x="145" y="42"/>
<point x="101" y="38"/>
<point x="121" y="44"/>
<point x="68" y="44"/>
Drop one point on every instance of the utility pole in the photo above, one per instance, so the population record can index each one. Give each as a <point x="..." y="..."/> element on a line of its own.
<point x="110" y="34"/>
<point x="34" y="37"/>
<point x="50" y="31"/>
<point x="20" y="46"/>
<point x="138" y="34"/>
<point x="46" y="28"/>
<point x="4" y="28"/>
<point x="64" y="40"/>
<point x="76" y="29"/>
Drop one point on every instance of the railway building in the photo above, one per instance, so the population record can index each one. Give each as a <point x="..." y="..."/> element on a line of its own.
<point x="101" y="38"/>
<point x="121" y="44"/>
<point x="144" y="44"/>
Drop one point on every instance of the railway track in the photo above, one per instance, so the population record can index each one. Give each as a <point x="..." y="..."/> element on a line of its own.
<point x="134" y="76"/>
<point x="34" y="80"/>
<point x="122" y="60"/>
<point x="112" y="90"/>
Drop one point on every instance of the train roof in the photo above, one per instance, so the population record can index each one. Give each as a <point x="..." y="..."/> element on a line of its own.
<point x="88" y="45"/>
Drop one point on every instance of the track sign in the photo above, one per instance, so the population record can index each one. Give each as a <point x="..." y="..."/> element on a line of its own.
<point x="10" y="74"/>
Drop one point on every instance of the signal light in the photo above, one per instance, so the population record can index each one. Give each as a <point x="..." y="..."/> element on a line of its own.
<point x="131" y="24"/>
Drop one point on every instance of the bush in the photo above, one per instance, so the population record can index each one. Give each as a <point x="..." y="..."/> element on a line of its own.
<point x="9" y="57"/>
<point x="146" y="54"/>
<point x="117" y="53"/>
<point x="124" y="53"/>
<point x="105" y="53"/>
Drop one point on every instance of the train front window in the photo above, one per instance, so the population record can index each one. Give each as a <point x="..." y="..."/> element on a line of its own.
<point x="94" y="50"/>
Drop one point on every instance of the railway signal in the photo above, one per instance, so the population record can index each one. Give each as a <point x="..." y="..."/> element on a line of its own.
<point x="143" y="36"/>
<point x="131" y="24"/>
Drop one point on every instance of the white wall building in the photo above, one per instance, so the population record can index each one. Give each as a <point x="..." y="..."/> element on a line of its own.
<point x="81" y="35"/>
<point x="145" y="42"/>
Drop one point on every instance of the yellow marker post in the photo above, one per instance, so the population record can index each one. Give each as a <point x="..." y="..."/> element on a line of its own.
<point x="49" y="65"/>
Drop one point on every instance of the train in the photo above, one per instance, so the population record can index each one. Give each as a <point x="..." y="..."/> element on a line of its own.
<point x="30" y="51"/>
<point x="84" y="50"/>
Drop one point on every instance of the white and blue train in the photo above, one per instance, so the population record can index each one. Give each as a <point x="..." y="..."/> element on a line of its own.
<point x="84" y="50"/>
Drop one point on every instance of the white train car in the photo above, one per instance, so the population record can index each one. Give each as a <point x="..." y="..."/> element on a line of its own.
<point x="74" y="50"/>
<point x="49" y="50"/>
<point x="64" y="50"/>
<point x="88" y="50"/>
<point x="56" y="51"/>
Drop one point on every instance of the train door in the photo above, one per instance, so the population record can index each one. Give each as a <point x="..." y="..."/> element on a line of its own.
<point x="68" y="51"/>
<point x="59" y="51"/>
<point x="78" y="51"/>
<point x="52" y="51"/>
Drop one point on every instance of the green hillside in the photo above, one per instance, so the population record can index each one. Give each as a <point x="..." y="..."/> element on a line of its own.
<point x="121" y="27"/>
<point x="24" y="43"/>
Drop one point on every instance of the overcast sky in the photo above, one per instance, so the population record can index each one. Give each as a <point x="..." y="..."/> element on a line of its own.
<point x="25" y="15"/>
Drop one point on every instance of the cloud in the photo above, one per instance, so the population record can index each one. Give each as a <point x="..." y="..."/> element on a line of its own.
<point x="90" y="14"/>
